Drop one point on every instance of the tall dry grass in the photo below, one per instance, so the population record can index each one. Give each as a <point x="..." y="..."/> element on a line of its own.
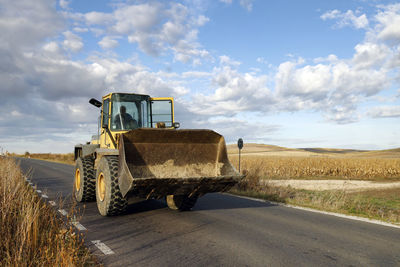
<point x="279" y="167"/>
<point x="31" y="233"/>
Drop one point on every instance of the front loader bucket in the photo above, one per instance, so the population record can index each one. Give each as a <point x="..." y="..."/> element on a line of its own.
<point x="159" y="162"/>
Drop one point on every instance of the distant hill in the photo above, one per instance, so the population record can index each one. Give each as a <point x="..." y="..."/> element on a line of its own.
<point x="272" y="150"/>
<point x="332" y="150"/>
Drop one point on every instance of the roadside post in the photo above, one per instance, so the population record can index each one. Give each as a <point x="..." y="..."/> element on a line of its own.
<point x="240" y="146"/>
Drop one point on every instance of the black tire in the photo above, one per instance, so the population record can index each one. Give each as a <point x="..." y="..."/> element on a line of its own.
<point x="110" y="201"/>
<point x="181" y="202"/>
<point x="85" y="181"/>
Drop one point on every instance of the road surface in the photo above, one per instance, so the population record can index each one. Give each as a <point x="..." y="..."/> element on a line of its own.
<point x="222" y="230"/>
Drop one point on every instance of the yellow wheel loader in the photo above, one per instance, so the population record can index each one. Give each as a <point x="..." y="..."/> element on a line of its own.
<point x="139" y="152"/>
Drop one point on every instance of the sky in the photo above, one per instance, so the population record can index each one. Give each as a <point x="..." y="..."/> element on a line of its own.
<point x="289" y="73"/>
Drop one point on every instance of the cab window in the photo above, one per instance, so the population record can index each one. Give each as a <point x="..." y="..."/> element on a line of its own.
<point x="161" y="111"/>
<point x="129" y="112"/>
<point x="104" y="120"/>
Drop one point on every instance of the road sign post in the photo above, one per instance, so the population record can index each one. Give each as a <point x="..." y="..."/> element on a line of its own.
<point x="240" y="146"/>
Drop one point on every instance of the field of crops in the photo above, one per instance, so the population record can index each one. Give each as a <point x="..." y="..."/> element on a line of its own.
<point x="267" y="163"/>
<point x="286" y="167"/>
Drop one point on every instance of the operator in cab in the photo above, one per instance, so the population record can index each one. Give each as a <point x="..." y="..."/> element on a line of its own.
<point x="124" y="121"/>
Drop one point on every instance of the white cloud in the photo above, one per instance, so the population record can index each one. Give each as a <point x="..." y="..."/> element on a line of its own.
<point x="64" y="4"/>
<point x="346" y="19"/>
<point x="16" y="27"/>
<point x="196" y="74"/>
<point x="234" y="92"/>
<point x="108" y="42"/>
<point x="334" y="88"/>
<point x="385" y="112"/>
<point x="201" y="20"/>
<point x="51" y="47"/>
<point x="370" y="55"/>
<point x="388" y="23"/>
<point x="330" y="59"/>
<point x="310" y="82"/>
<point x="98" y="18"/>
<point x="80" y="30"/>
<point x="72" y="42"/>
<point x="141" y="18"/>
<point x="247" y="4"/>
<point x="156" y="28"/>
<point x="225" y="60"/>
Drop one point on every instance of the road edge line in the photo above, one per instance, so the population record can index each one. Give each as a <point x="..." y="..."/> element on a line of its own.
<point x="103" y="247"/>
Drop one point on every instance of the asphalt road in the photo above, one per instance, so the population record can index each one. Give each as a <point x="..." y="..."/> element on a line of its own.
<point x="222" y="230"/>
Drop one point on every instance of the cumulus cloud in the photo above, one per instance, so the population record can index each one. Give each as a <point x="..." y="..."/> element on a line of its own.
<point x="225" y="60"/>
<point x="52" y="47"/>
<point x="388" y="20"/>
<point x="157" y="28"/>
<point x="370" y="55"/>
<point x="64" y="4"/>
<point x="385" y="112"/>
<point x="98" y="18"/>
<point x="17" y="29"/>
<point x="108" y="42"/>
<point x="72" y="42"/>
<point x="338" y="86"/>
<point x="80" y="30"/>
<point x="334" y="88"/>
<point x="234" y="92"/>
<point x="346" y="19"/>
<point x="331" y="85"/>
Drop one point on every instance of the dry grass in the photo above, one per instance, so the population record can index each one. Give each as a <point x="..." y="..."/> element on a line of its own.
<point x="376" y="204"/>
<point x="31" y="233"/>
<point x="381" y="204"/>
<point x="281" y="167"/>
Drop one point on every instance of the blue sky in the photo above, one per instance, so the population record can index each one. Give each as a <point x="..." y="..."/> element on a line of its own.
<point x="288" y="73"/>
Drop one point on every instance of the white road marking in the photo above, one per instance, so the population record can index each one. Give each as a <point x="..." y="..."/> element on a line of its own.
<point x="103" y="248"/>
<point x="39" y="191"/>
<point x="45" y="196"/>
<point x="79" y="226"/>
<point x="351" y="217"/>
<point x="63" y="212"/>
<point x="52" y="203"/>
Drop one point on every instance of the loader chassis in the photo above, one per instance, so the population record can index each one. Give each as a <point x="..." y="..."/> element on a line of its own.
<point x="140" y="153"/>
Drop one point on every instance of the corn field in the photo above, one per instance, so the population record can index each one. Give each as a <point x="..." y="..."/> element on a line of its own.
<point x="280" y="167"/>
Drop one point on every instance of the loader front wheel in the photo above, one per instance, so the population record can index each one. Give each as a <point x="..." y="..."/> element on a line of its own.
<point x="84" y="184"/>
<point x="181" y="202"/>
<point x="109" y="199"/>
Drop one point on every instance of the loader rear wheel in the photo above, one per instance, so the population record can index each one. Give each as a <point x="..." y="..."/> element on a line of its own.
<point x="84" y="184"/>
<point x="109" y="199"/>
<point x="181" y="202"/>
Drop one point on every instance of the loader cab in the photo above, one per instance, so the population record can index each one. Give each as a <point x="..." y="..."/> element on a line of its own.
<point x="123" y="112"/>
